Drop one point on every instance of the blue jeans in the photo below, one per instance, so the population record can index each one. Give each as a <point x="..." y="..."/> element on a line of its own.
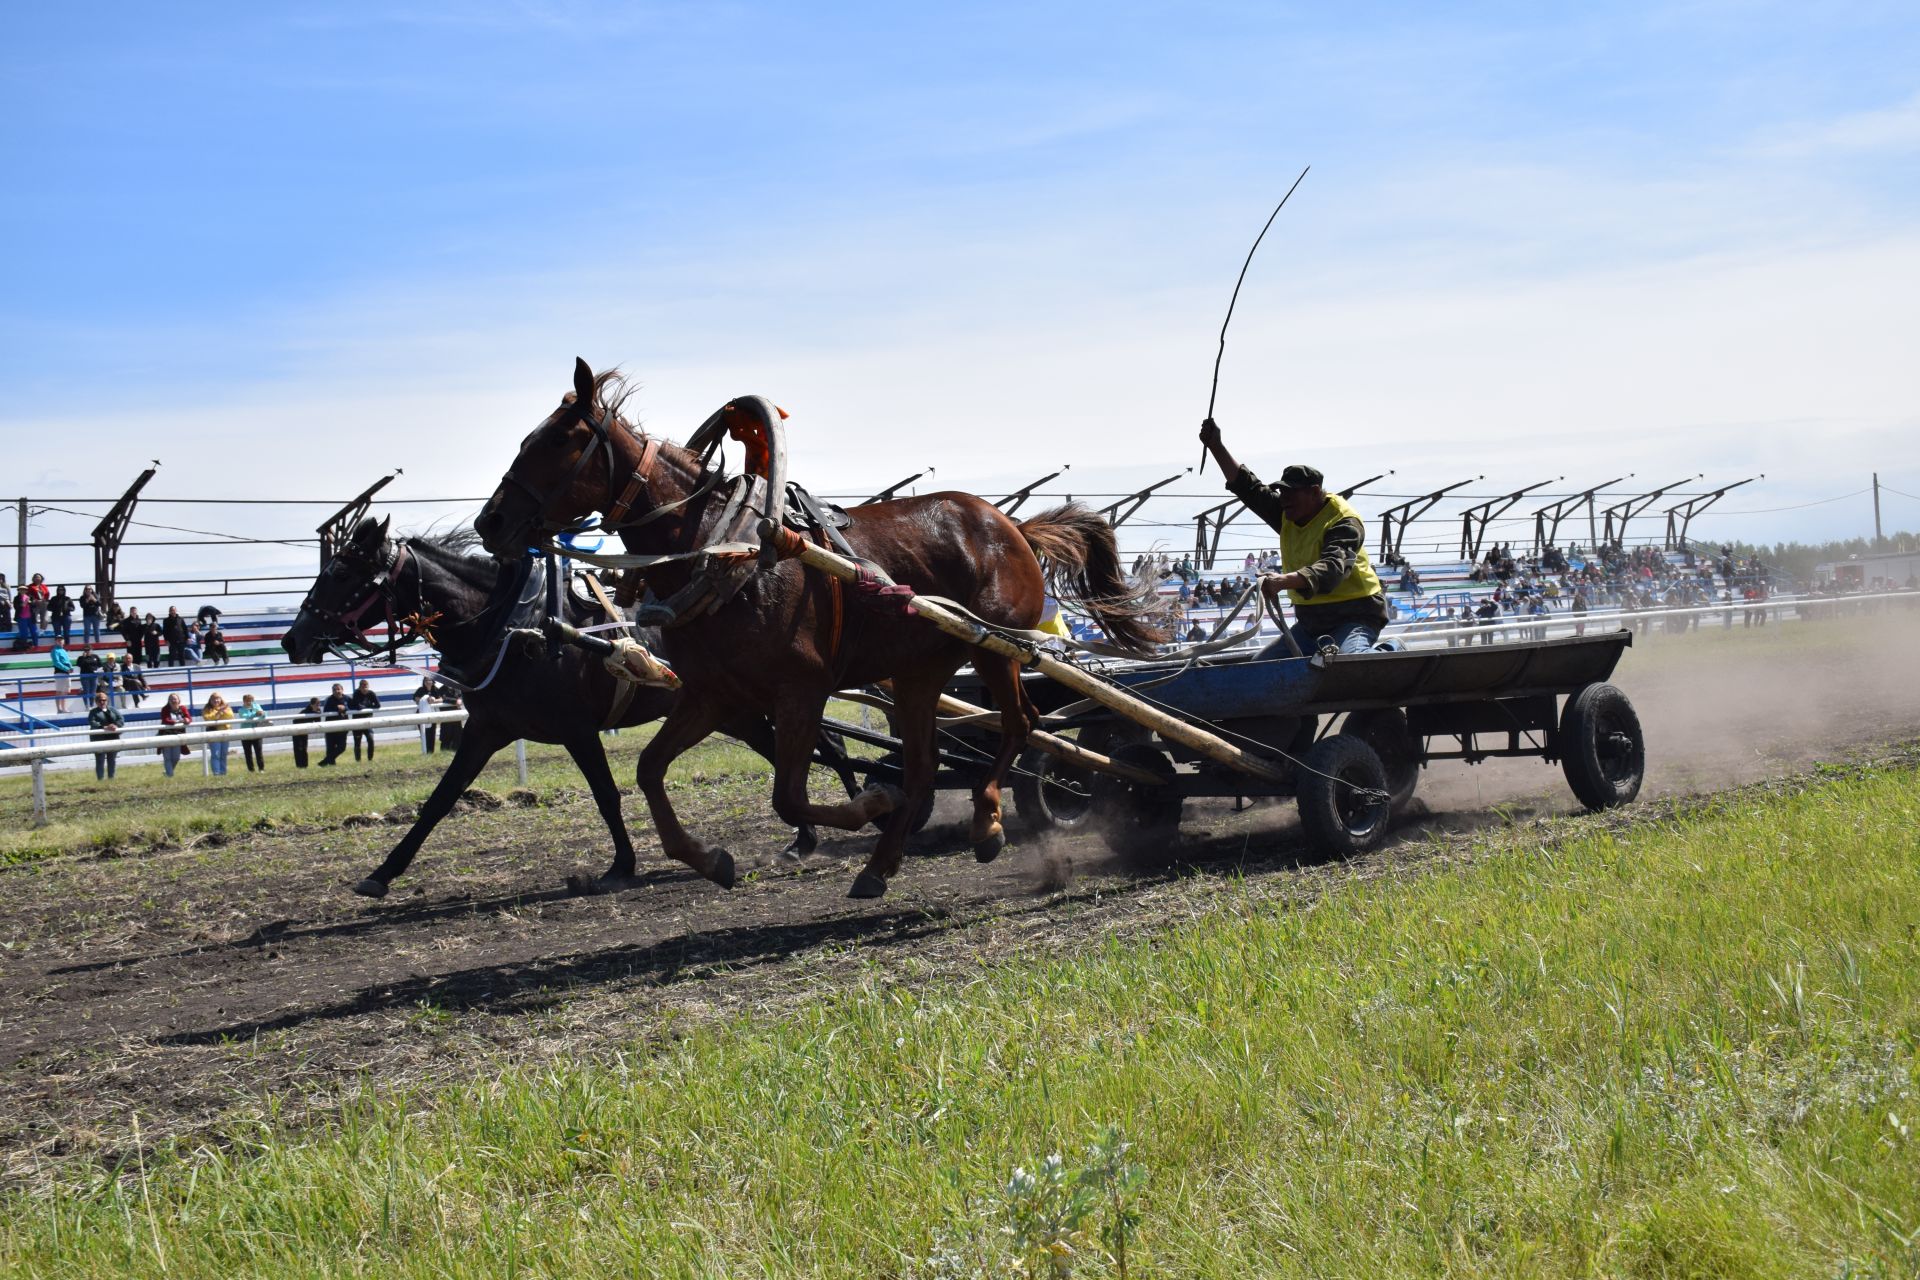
<point x="1348" y="637"/>
<point x="90" y="629"/>
<point x="217" y="757"/>
<point x="169" y="757"/>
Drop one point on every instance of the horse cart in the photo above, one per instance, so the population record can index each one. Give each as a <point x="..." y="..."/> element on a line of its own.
<point x="1346" y="735"/>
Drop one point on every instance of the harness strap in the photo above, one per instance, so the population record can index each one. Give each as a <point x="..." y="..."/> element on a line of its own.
<point x="636" y="484"/>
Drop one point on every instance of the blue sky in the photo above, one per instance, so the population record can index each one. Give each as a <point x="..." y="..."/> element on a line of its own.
<point x="284" y="248"/>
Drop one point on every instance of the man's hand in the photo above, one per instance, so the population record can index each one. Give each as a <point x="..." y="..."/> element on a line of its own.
<point x="1272" y="584"/>
<point x="1209" y="433"/>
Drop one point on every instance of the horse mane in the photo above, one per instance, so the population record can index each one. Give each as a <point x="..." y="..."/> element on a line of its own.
<point x="459" y="540"/>
<point x="611" y="391"/>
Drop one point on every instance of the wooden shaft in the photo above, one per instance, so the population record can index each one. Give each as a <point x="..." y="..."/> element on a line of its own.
<point x="1052" y="744"/>
<point x="1172" y="728"/>
<point x="1065" y="749"/>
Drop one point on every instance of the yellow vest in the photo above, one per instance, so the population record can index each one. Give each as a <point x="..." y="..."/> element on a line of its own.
<point x="1300" y="546"/>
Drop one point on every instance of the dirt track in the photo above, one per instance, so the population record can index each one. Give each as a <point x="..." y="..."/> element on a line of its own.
<point x="194" y="986"/>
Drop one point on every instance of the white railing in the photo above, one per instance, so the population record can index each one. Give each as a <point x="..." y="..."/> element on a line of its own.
<point x="37" y="756"/>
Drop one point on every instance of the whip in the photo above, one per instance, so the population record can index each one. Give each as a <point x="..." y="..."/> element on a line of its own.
<point x="1236" y="297"/>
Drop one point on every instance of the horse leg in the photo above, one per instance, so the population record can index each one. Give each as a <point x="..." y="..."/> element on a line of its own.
<point x="591" y="759"/>
<point x="757" y="732"/>
<point x="477" y="746"/>
<point x="915" y="699"/>
<point x="1002" y="678"/>
<point x="796" y="727"/>
<point x="691" y="720"/>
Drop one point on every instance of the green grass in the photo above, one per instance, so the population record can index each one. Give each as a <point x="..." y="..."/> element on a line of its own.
<point x="1682" y="1048"/>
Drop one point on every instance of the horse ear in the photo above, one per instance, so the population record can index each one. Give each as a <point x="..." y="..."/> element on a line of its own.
<point x="582" y="382"/>
<point x="385" y="523"/>
<point x="367" y="533"/>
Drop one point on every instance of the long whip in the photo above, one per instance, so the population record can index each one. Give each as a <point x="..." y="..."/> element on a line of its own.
<point x="1236" y="297"/>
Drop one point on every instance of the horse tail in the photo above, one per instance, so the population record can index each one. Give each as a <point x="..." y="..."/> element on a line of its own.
<point x="1076" y="548"/>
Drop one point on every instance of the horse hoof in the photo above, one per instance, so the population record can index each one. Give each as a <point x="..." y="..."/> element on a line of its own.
<point x="722" y="872"/>
<point x="804" y="843"/>
<point x="989" y="849"/>
<point x="868" y="885"/>
<point x="371" y="888"/>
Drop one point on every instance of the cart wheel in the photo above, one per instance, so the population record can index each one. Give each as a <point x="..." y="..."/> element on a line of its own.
<point x="1386" y="732"/>
<point x="1135" y="819"/>
<point x="1602" y="751"/>
<point x="921" y="818"/>
<point x="1051" y="794"/>
<point x="1344" y="802"/>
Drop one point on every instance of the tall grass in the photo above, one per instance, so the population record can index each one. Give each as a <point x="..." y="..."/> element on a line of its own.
<point x="1684" y="1048"/>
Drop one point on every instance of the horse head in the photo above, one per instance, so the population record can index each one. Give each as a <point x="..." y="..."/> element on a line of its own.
<point x="583" y="458"/>
<point x="347" y="586"/>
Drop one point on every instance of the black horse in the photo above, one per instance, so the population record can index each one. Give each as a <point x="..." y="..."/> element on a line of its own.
<point x="516" y="692"/>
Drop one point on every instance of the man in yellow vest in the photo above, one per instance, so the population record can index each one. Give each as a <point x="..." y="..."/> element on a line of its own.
<point x="1337" y="599"/>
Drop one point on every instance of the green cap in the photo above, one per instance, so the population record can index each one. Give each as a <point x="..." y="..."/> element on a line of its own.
<point x="1298" y="476"/>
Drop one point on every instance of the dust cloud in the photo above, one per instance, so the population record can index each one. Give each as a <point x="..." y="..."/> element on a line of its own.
<point x="1721" y="708"/>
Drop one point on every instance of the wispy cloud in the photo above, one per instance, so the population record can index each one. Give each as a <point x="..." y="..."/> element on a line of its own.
<point x="1893" y="128"/>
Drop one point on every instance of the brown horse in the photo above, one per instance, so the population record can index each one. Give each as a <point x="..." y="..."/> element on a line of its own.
<point x="788" y="639"/>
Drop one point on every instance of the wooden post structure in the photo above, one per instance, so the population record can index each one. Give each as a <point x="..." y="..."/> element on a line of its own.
<point x="1546" y="521"/>
<point x="107" y="535"/>
<point x="1394" y="520"/>
<point x="1209" y="525"/>
<point x="1011" y="503"/>
<point x="886" y="494"/>
<point x="1474" y="520"/>
<point x="1680" y="515"/>
<point x="341" y="522"/>
<point x="1616" y="534"/>
<point x="1135" y="500"/>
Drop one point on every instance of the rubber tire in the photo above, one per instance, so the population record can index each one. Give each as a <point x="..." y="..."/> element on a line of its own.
<point x="1335" y="819"/>
<point x="1602" y="749"/>
<point x="1385" y="730"/>
<point x="1042" y="802"/>
<point x="1137" y="821"/>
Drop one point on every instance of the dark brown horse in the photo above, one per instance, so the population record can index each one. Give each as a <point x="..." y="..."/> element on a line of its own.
<point x="788" y="639"/>
<point x="374" y="578"/>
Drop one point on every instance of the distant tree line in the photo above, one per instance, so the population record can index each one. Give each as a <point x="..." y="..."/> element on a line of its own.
<point x="1799" y="558"/>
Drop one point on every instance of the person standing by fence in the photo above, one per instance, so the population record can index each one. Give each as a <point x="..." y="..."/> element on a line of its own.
<point x="62" y="674"/>
<point x="310" y="714"/>
<point x="216" y="716"/>
<point x="365" y="703"/>
<point x="253" y="716"/>
<point x="88" y="664"/>
<point x="336" y="709"/>
<point x="104" y="723"/>
<point x="423" y="703"/>
<point x="175" y="717"/>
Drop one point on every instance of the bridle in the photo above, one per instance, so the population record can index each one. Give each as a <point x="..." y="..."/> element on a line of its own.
<point x="620" y="498"/>
<point x="348" y="624"/>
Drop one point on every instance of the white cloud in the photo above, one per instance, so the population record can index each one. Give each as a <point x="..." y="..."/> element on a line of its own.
<point x="1894" y="128"/>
